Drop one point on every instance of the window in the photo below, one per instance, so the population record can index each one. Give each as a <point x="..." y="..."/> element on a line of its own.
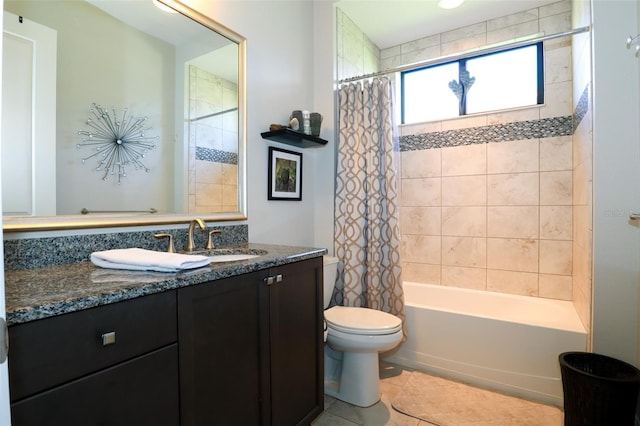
<point x="506" y="79"/>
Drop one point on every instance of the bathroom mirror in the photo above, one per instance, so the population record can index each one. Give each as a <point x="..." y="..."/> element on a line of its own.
<point x="176" y="70"/>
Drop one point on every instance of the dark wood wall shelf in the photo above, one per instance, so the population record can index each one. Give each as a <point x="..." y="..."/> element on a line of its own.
<point x="293" y="138"/>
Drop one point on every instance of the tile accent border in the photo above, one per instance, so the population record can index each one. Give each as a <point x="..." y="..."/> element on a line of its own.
<point x="216" y="155"/>
<point x="519" y="130"/>
<point x="533" y="129"/>
<point x="581" y="108"/>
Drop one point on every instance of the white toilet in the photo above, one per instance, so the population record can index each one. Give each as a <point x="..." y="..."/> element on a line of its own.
<point x="354" y="337"/>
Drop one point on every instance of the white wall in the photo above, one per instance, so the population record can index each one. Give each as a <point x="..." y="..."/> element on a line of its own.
<point x="616" y="180"/>
<point x="638" y="320"/>
<point x="81" y="82"/>
<point x="289" y="55"/>
<point x="280" y="79"/>
<point x="324" y="50"/>
<point x="5" y="417"/>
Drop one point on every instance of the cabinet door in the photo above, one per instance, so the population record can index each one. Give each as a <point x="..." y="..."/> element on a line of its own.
<point x="219" y="353"/>
<point x="295" y="338"/>
<point x="142" y="391"/>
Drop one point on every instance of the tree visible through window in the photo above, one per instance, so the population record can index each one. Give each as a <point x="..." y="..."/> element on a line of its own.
<point x="506" y="79"/>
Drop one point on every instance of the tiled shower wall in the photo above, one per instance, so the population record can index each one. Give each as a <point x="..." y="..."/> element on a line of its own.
<point x="582" y="165"/>
<point x="491" y="216"/>
<point x="487" y="200"/>
<point x="356" y="54"/>
<point x="498" y="201"/>
<point x="213" y="143"/>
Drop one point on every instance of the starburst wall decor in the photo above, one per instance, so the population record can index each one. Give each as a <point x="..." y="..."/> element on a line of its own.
<point x="118" y="143"/>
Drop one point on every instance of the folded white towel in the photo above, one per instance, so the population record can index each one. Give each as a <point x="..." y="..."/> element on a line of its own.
<point x="138" y="259"/>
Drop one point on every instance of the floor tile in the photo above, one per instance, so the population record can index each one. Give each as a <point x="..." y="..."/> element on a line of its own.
<point x="394" y="378"/>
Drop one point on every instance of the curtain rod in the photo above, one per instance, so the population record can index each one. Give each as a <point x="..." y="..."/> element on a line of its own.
<point x="467" y="54"/>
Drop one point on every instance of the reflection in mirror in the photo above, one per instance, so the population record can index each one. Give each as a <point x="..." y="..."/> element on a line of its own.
<point x="169" y="71"/>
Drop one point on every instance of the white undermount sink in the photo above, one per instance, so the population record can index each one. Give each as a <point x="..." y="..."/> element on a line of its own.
<point x="230" y="254"/>
<point x="220" y="258"/>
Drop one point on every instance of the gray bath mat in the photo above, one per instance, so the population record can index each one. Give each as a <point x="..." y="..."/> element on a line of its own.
<point x="444" y="402"/>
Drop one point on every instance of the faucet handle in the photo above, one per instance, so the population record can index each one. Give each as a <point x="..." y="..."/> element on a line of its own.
<point x="170" y="248"/>
<point x="210" y="241"/>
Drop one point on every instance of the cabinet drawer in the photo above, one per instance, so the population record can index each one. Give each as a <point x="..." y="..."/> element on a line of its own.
<point x="52" y="351"/>
<point x="142" y="391"/>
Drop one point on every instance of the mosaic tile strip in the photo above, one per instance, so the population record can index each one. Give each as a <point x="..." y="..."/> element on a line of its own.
<point x="215" y="155"/>
<point x="533" y="129"/>
<point x="30" y="253"/>
<point x="581" y="108"/>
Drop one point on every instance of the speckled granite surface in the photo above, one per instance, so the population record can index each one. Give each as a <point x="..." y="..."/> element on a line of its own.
<point x="32" y="253"/>
<point x="38" y="293"/>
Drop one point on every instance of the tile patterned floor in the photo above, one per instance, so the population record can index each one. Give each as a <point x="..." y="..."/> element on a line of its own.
<point x="392" y="379"/>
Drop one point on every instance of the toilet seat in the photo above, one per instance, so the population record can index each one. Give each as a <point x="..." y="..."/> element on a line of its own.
<point x="363" y="321"/>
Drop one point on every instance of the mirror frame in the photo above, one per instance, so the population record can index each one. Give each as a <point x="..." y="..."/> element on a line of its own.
<point x="64" y="222"/>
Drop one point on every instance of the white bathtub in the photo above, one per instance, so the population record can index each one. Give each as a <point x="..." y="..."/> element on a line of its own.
<point x="499" y="341"/>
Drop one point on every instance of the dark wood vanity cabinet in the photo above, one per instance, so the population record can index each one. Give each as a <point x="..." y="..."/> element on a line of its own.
<point x="219" y="352"/>
<point x="295" y="355"/>
<point x="109" y="365"/>
<point x="244" y="350"/>
<point x="251" y="348"/>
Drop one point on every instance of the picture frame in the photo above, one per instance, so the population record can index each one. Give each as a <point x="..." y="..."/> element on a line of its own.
<point x="285" y="175"/>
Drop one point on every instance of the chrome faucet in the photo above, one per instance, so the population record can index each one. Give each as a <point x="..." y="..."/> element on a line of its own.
<point x="192" y="226"/>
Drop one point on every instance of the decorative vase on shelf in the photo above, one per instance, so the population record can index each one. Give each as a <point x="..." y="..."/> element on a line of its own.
<point x="316" y="121"/>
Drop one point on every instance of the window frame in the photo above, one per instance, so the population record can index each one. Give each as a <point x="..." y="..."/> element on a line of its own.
<point x="462" y="62"/>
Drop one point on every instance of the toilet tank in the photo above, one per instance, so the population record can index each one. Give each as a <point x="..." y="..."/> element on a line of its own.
<point x="330" y="270"/>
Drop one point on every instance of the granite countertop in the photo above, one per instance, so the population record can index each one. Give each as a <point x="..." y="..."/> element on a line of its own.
<point x="33" y="294"/>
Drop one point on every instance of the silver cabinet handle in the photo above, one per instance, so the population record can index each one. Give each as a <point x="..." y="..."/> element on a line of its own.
<point x="109" y="338"/>
<point x="274" y="279"/>
<point x="634" y="216"/>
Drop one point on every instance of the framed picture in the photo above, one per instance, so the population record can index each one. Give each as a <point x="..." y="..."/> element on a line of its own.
<point x="285" y="175"/>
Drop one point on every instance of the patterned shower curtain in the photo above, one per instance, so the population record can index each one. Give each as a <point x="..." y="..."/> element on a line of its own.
<point x="367" y="235"/>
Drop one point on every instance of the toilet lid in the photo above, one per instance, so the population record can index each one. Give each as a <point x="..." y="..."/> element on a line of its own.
<point x="361" y="320"/>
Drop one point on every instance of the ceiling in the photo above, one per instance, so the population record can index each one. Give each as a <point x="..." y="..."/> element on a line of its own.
<point x="392" y="22"/>
<point x="144" y="16"/>
<point x="178" y="30"/>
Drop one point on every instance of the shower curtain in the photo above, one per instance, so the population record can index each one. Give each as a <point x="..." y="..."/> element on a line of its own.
<point x="366" y="233"/>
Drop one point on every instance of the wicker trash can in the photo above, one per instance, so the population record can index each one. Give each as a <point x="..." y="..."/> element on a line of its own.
<point x="598" y="390"/>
